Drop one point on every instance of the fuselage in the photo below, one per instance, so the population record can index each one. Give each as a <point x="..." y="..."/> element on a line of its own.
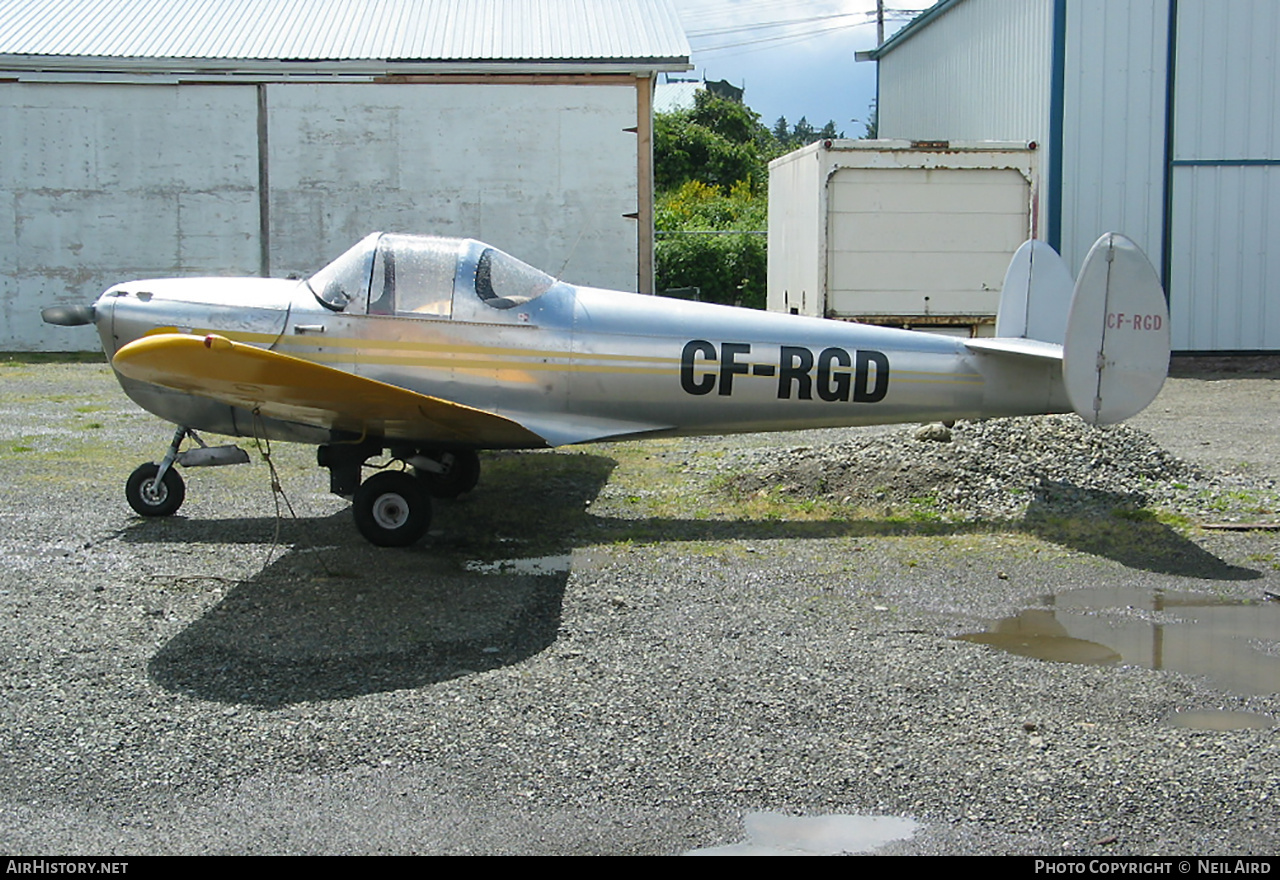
<point x="572" y="364"/>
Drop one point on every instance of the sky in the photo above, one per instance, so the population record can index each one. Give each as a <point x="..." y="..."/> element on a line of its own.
<point x="794" y="57"/>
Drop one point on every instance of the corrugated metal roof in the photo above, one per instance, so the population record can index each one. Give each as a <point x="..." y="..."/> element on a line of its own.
<point x="345" y="30"/>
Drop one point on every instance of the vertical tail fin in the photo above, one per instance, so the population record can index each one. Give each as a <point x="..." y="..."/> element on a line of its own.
<point x="1036" y="295"/>
<point x="1115" y="354"/>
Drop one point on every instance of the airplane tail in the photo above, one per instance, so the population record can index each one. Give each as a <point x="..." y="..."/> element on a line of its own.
<point x="1109" y="329"/>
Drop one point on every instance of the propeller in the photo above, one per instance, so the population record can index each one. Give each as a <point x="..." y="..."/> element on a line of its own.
<point x="68" y="316"/>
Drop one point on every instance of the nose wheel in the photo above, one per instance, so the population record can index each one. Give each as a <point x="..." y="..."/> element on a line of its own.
<point x="150" y="496"/>
<point x="391" y="509"/>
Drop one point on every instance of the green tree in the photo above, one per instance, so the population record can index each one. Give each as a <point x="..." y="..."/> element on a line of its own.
<point x="700" y="248"/>
<point x="781" y="131"/>
<point x="719" y="142"/>
<point x="711" y="173"/>
<point x="803" y="133"/>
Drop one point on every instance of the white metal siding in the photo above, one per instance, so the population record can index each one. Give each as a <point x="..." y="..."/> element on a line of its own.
<point x="1228" y="86"/>
<point x="99" y="183"/>
<point x="1114" y="124"/>
<point x="1224" y="273"/>
<point x="980" y="72"/>
<point x="795" y="271"/>
<point x="1225" y="268"/>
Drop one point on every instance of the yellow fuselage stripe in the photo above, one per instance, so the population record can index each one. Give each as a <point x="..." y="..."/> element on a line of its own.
<point x="524" y="358"/>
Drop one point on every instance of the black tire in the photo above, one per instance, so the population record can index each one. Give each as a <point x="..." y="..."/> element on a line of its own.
<point x="151" y="499"/>
<point x="461" y="475"/>
<point x="391" y="509"/>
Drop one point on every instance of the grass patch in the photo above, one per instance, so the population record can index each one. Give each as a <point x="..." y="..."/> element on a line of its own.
<point x="23" y="358"/>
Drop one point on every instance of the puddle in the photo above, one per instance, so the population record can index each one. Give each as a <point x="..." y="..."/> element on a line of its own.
<point x="1220" y="719"/>
<point x="1233" y="642"/>
<point x="1036" y="633"/>
<point x="533" y="565"/>
<point x="582" y="560"/>
<point x="773" y="834"/>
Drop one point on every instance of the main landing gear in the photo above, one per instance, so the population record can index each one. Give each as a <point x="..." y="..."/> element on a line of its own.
<point x="392" y="508"/>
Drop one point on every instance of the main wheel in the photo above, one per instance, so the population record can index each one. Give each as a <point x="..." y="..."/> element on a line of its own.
<point x="151" y="498"/>
<point x="462" y="472"/>
<point x="391" y="509"/>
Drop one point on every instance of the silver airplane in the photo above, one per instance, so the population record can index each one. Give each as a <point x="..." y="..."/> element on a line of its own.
<point x="430" y="349"/>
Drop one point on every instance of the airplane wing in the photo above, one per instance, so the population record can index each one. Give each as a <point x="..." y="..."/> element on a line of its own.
<point x="291" y="389"/>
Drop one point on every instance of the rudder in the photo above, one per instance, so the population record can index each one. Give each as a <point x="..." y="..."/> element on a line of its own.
<point x="1115" y="355"/>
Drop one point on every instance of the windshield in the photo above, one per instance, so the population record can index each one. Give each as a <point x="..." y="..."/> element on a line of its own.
<point x="346" y="279"/>
<point x="503" y="282"/>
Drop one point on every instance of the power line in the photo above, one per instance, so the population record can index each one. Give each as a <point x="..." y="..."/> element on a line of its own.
<point x="878" y="17"/>
<point x="764" y="25"/>
<point x="781" y="39"/>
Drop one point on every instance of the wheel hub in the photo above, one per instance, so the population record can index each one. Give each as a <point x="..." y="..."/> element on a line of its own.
<point x="390" y="511"/>
<point x="154" y="491"/>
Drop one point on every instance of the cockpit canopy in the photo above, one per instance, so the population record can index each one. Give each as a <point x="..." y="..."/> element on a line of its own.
<point x="423" y="275"/>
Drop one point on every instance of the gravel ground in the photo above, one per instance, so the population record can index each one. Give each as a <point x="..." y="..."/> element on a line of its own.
<point x="226" y="682"/>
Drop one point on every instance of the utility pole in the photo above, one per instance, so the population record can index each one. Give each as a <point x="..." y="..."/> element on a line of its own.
<point x="879" y="22"/>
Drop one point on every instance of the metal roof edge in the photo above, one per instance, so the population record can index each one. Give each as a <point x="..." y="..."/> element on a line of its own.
<point x="904" y="145"/>
<point x="913" y="27"/>
<point x="87" y="66"/>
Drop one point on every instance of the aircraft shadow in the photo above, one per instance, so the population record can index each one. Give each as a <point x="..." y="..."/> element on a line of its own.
<point x="1116" y="526"/>
<point x="336" y="617"/>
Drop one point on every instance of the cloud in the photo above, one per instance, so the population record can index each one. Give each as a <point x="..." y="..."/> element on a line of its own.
<point x="793" y="59"/>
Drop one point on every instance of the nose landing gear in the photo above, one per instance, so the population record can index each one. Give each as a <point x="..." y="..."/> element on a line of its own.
<point x="158" y="490"/>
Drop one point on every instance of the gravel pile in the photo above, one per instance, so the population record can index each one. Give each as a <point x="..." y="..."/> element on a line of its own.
<point x="999" y="468"/>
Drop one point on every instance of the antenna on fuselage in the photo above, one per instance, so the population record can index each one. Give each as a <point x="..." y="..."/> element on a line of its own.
<point x="560" y="274"/>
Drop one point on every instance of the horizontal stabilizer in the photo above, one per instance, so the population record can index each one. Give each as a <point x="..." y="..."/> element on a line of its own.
<point x="291" y="389"/>
<point x="1027" y="348"/>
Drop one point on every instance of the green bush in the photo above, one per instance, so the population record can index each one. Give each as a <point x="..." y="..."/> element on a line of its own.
<point x="696" y="248"/>
<point x="710" y="168"/>
<point x="729" y="269"/>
